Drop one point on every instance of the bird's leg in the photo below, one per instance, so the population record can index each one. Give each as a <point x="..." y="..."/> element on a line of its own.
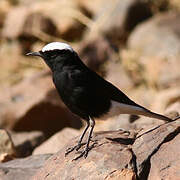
<point x="78" y="146"/>
<point x="87" y="148"/>
<point x="92" y="124"/>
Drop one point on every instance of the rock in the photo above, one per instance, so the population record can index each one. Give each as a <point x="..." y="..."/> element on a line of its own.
<point x="152" y="60"/>
<point x="18" y="144"/>
<point x="117" y="75"/>
<point x="163" y="31"/>
<point x="149" y="154"/>
<point x="124" y="174"/>
<point x="114" y="123"/>
<point x="56" y="142"/>
<point x="22" y="169"/>
<point x="95" y="51"/>
<point x="174" y="109"/>
<point x="108" y="158"/>
<point x="34" y="104"/>
<point x="11" y="64"/>
<point x="72" y="23"/>
<point x="164" y="163"/>
<point x="4" y="8"/>
<point x="116" y="20"/>
<point x="110" y="29"/>
<point x="7" y="150"/>
<point x="162" y="102"/>
<point x="119" y="155"/>
<point x="97" y="6"/>
<point x="40" y="21"/>
<point x="26" y="29"/>
<point x="92" y="7"/>
<point x="166" y="98"/>
<point x="174" y="5"/>
<point x="16" y="25"/>
<point x="26" y="142"/>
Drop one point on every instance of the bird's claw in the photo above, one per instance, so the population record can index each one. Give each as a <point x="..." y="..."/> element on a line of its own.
<point x="77" y="147"/>
<point x="84" y="152"/>
<point x="70" y="149"/>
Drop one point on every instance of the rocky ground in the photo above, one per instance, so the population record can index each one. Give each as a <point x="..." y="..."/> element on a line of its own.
<point x="134" y="44"/>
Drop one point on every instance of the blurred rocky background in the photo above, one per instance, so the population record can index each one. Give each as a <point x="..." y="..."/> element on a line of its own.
<point x="135" y="44"/>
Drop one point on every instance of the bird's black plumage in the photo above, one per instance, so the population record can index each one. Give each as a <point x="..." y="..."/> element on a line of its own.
<point x="83" y="91"/>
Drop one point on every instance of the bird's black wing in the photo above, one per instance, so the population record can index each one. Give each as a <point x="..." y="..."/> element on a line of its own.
<point x="114" y="93"/>
<point x="89" y="94"/>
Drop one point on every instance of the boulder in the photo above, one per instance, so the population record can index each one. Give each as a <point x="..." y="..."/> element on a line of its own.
<point x="7" y="150"/>
<point x="164" y="163"/>
<point x="117" y="154"/>
<point x="4" y="8"/>
<point x="152" y="60"/>
<point x="56" y="142"/>
<point x="117" y="75"/>
<point x="110" y="29"/>
<point x="114" y="123"/>
<point x="94" y="51"/>
<point x="110" y="157"/>
<point x="148" y="149"/>
<point x="166" y="98"/>
<point x="116" y="20"/>
<point x="26" y="142"/>
<point x="174" y="109"/>
<point x="22" y="169"/>
<point x="92" y="7"/>
<point x="163" y="36"/>
<point x="45" y="21"/>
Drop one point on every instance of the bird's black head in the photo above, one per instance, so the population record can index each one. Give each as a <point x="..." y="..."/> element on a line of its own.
<point x="55" y="54"/>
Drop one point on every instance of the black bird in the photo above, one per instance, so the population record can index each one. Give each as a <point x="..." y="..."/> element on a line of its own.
<point x="84" y="92"/>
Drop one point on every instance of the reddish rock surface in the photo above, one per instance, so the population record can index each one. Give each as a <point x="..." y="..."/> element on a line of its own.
<point x="157" y="55"/>
<point x="22" y="169"/>
<point x="26" y="142"/>
<point x="107" y="157"/>
<point x="165" y="163"/>
<point x="116" y="20"/>
<point x="149" y="143"/>
<point x="118" y="155"/>
<point x="57" y="141"/>
<point x="132" y="43"/>
<point x="7" y="150"/>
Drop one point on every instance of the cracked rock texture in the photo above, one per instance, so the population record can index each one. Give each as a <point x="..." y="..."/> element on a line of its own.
<point x="147" y="146"/>
<point x="119" y="155"/>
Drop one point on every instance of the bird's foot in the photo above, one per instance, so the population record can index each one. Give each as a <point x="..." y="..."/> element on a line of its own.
<point x="85" y="152"/>
<point x="77" y="147"/>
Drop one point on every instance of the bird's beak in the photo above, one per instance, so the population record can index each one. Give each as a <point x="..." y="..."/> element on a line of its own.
<point x="34" y="54"/>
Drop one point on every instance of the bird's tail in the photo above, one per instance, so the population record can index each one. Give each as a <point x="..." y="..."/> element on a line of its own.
<point x="155" y="115"/>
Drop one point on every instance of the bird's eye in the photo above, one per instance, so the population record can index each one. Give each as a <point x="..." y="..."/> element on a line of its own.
<point x="52" y="54"/>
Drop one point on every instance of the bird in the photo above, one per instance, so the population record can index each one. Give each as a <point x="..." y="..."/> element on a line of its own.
<point x="86" y="93"/>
